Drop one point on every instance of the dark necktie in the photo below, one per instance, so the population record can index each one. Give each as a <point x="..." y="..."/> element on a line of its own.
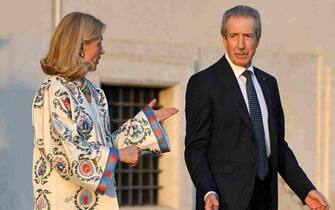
<point x="262" y="167"/>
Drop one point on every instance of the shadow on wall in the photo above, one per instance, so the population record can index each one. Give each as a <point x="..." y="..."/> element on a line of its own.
<point x="16" y="141"/>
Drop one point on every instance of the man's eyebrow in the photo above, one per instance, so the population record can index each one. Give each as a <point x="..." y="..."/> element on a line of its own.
<point x="243" y="34"/>
<point x="240" y="33"/>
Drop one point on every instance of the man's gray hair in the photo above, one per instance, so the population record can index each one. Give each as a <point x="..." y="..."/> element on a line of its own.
<point x="246" y="11"/>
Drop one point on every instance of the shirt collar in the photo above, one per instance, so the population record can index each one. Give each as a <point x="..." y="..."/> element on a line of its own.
<point x="238" y="70"/>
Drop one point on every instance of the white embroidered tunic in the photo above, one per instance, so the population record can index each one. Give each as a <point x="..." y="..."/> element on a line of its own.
<point x="75" y="155"/>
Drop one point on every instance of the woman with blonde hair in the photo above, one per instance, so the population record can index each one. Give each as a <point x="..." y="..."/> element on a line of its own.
<point x="75" y="155"/>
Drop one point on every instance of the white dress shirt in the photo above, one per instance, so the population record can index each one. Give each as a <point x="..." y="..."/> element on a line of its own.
<point x="238" y="71"/>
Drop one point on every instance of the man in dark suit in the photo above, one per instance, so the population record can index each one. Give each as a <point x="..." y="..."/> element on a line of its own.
<point x="235" y="143"/>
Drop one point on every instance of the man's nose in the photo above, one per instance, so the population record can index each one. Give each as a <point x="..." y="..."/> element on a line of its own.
<point x="241" y="42"/>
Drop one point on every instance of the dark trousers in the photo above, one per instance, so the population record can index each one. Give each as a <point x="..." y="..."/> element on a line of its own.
<point x="261" y="196"/>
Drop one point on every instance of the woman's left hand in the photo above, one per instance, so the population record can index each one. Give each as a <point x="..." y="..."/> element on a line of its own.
<point x="162" y="113"/>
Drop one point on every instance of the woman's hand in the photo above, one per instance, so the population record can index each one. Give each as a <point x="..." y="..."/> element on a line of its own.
<point x="130" y="155"/>
<point x="162" y="113"/>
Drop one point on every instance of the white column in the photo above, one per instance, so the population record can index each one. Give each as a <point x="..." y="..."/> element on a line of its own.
<point x="57" y="12"/>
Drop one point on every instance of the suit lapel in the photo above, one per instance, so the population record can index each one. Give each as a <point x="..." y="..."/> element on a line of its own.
<point x="265" y="89"/>
<point x="264" y="83"/>
<point x="232" y="89"/>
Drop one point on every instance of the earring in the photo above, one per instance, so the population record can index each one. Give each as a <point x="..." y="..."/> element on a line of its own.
<point x="81" y="51"/>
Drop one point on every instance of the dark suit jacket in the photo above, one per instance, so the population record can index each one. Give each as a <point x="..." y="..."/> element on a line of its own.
<point x="220" y="148"/>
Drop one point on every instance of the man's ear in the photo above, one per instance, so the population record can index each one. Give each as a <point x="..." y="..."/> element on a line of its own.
<point x="257" y="42"/>
<point x="224" y="41"/>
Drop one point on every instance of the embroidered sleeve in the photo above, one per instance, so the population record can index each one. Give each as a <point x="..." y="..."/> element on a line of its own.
<point x="69" y="143"/>
<point x="144" y="131"/>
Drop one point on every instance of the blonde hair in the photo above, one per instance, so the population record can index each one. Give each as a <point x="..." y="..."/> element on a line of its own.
<point x="63" y="57"/>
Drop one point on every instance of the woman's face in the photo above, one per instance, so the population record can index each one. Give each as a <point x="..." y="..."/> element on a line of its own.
<point x="93" y="50"/>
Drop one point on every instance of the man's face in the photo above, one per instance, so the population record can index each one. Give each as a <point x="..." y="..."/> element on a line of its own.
<point x="240" y="41"/>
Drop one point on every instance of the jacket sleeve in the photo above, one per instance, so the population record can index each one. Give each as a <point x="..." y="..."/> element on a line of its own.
<point x="144" y="131"/>
<point x="66" y="142"/>
<point x="198" y="131"/>
<point x="288" y="166"/>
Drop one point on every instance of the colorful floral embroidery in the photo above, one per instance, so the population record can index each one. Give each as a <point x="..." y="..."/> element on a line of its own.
<point x="39" y="97"/>
<point x="159" y="131"/>
<point x="135" y="132"/>
<point x="39" y="143"/>
<point x="99" y="97"/>
<point x="106" y="121"/>
<point x="42" y="201"/>
<point x="71" y="87"/>
<point x="42" y="171"/>
<point x="85" y="199"/>
<point x="66" y="102"/>
<point x="63" y="102"/>
<point x="110" y="167"/>
<point x="85" y="124"/>
<point x="59" y="130"/>
<point x="86" y="168"/>
<point x="60" y="163"/>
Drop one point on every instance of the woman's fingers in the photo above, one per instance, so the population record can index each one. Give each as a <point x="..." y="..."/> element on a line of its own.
<point x="152" y="103"/>
<point x="165" y="113"/>
<point x="130" y="155"/>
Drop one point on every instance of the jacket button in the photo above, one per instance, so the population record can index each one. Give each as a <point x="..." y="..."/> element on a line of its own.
<point x="252" y="160"/>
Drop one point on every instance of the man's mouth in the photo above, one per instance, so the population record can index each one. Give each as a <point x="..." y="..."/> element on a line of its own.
<point x="241" y="55"/>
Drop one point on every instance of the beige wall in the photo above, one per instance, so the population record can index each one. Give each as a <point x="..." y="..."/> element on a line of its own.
<point x="157" y="43"/>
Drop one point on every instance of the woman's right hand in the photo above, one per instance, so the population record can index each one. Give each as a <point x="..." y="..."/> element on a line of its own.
<point x="130" y="155"/>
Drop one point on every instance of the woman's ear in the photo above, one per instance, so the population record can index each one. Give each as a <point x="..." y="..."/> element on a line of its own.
<point x="82" y="50"/>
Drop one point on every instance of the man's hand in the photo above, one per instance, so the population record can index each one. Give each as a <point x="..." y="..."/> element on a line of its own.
<point x="163" y="113"/>
<point x="211" y="202"/>
<point x="316" y="201"/>
<point x="130" y="155"/>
